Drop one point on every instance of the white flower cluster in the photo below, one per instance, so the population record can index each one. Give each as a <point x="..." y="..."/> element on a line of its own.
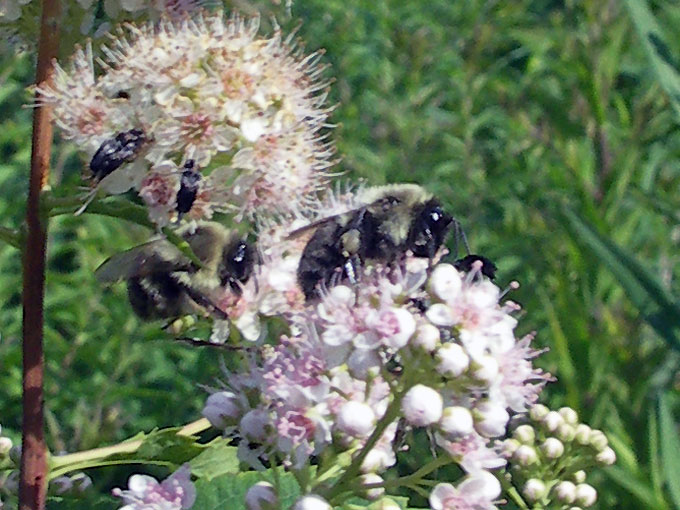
<point x="243" y="113"/>
<point x="549" y="451"/>
<point x="438" y="352"/>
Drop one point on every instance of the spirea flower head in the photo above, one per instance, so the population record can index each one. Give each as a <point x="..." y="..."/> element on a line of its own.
<point x="331" y="381"/>
<point x="144" y="492"/>
<point x="247" y="111"/>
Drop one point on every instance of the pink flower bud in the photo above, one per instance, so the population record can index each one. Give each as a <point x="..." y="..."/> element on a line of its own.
<point x="509" y="447"/>
<point x="222" y="409"/>
<point x="534" y="489"/>
<point x="565" y="433"/>
<point x="552" y="448"/>
<point x="422" y="406"/>
<point x="586" y="495"/>
<point x="491" y="419"/>
<point x="427" y="337"/>
<point x="456" y="421"/>
<point x="311" y="502"/>
<point x="538" y="412"/>
<point x="565" y="492"/>
<point x="445" y="282"/>
<point x="570" y="416"/>
<point x="579" y="476"/>
<point x="524" y="434"/>
<point x="598" y="440"/>
<point x="453" y="360"/>
<point x="526" y="455"/>
<point x="254" y="425"/>
<point x="262" y="496"/>
<point x="582" y="435"/>
<point x="606" y="457"/>
<point x="552" y="420"/>
<point x="356" y="419"/>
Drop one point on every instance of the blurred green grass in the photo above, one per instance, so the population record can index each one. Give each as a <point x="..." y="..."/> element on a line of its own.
<point x="510" y="112"/>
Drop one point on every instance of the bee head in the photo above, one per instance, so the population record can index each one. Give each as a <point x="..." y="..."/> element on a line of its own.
<point x="429" y="229"/>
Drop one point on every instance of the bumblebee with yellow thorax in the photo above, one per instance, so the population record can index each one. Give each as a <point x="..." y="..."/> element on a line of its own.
<point x="164" y="283"/>
<point x="389" y="222"/>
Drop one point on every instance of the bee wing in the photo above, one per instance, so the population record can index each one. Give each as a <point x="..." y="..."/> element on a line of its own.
<point x="152" y="257"/>
<point x="318" y="223"/>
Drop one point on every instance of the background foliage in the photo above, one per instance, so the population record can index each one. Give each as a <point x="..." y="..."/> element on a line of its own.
<point x="550" y="129"/>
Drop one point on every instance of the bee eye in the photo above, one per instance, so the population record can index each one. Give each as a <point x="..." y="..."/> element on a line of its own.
<point x="436" y="214"/>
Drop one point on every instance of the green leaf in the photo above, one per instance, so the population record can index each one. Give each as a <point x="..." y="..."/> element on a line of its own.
<point x="229" y="491"/>
<point x="657" y="49"/>
<point x="218" y="459"/>
<point x="655" y="303"/>
<point x="166" y="445"/>
<point x="670" y="453"/>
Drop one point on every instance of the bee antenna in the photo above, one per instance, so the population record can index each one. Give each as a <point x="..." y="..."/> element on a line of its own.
<point x="459" y="234"/>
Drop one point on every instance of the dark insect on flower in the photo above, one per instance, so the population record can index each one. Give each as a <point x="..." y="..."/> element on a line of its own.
<point x="467" y="264"/>
<point x="189" y="184"/>
<point x="164" y="283"/>
<point x="394" y="220"/>
<point x="114" y="152"/>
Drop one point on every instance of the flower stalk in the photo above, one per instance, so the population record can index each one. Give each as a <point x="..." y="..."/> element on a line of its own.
<point x="33" y="480"/>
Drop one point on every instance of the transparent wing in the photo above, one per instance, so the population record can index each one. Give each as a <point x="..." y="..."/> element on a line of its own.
<point x="152" y="257"/>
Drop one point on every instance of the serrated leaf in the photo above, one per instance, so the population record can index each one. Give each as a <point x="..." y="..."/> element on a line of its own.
<point x="658" y="50"/>
<point x="670" y="453"/>
<point x="229" y="491"/>
<point x="217" y="459"/>
<point x="655" y="304"/>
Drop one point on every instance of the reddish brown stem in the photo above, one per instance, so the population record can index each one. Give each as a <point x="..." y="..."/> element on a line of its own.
<point x="33" y="482"/>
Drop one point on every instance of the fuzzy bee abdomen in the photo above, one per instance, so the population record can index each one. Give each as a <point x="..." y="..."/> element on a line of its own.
<point x="158" y="295"/>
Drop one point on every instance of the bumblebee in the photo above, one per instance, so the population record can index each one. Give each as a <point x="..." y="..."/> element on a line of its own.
<point x="164" y="283"/>
<point x="388" y="222"/>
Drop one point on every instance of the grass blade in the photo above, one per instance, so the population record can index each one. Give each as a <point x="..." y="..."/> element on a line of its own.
<point x="657" y="49"/>
<point x="670" y="453"/>
<point x="655" y="303"/>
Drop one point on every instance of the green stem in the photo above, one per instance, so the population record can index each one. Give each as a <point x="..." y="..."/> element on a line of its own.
<point x="511" y="491"/>
<point x="355" y="467"/>
<point x="96" y="457"/>
<point x="416" y="476"/>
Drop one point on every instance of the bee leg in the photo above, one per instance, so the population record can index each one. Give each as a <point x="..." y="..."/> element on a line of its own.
<point x="203" y="300"/>
<point x="459" y="234"/>
<point x="88" y="200"/>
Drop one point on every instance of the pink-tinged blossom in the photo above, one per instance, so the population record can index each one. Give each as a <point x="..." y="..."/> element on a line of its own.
<point x="477" y="491"/>
<point x="144" y="492"/>
<point x="519" y="383"/>
<point x="471" y="452"/>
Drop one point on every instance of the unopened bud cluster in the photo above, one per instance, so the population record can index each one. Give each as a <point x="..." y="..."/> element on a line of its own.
<point x="549" y="455"/>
